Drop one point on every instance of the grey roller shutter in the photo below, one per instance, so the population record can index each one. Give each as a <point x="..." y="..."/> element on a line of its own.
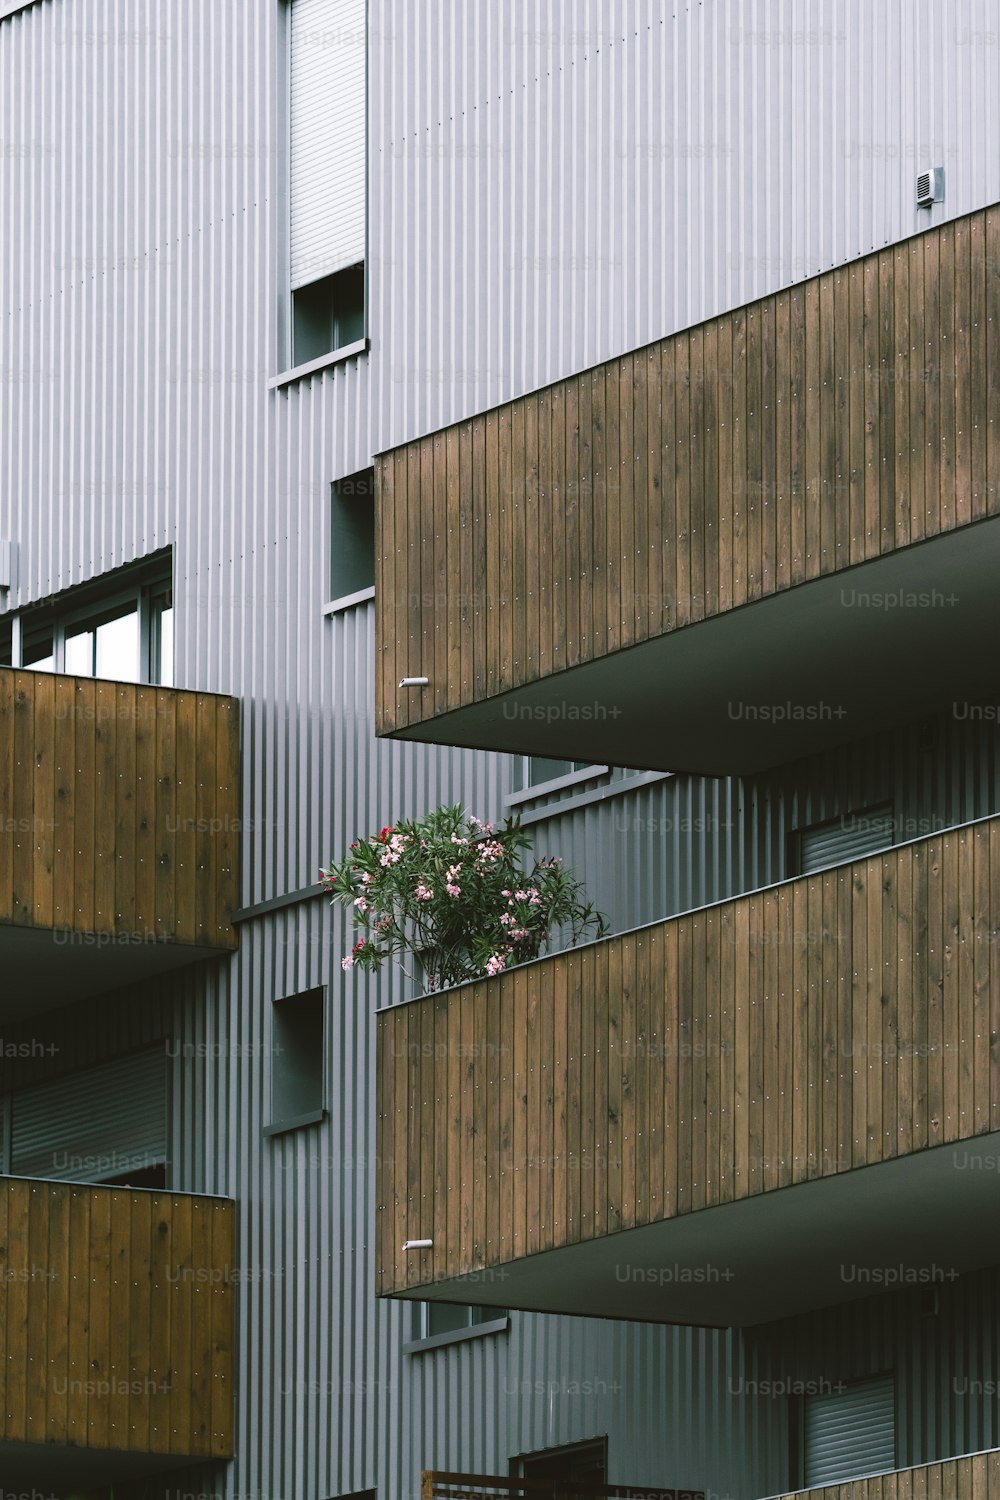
<point x="850" y="837"/>
<point x="851" y="1432"/>
<point x="328" y="134"/>
<point x="95" y="1124"/>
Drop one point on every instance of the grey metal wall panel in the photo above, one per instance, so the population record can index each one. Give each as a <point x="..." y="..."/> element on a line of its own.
<point x="574" y="188"/>
<point x="602" y="175"/>
<point x="944" y="1355"/>
<point x="97" y="1123"/>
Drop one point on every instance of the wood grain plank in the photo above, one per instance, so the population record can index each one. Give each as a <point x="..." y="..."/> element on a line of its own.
<point x="450" y="601"/>
<point x="64" y="804"/>
<point x="959" y="368"/>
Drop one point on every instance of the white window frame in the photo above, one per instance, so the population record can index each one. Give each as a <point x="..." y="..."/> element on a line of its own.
<point x="138" y="596"/>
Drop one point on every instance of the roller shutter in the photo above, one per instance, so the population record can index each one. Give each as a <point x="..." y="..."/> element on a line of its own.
<point x="328" y="119"/>
<point x="851" y="1432"/>
<point x="843" y="839"/>
<point x="95" y="1124"/>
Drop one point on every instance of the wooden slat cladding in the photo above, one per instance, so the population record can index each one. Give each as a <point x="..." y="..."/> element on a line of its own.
<point x="836" y="1021"/>
<point x="118" y="1317"/>
<point x="828" y="424"/>
<point x="119" y="809"/>
<point x="975" y="1476"/>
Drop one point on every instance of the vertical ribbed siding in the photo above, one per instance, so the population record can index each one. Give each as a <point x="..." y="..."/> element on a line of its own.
<point x="944" y="1354"/>
<point x="570" y="199"/>
<point x="604" y="176"/>
<point x="684" y="841"/>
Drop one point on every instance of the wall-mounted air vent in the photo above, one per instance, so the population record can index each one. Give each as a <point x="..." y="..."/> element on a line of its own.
<point x="930" y="187"/>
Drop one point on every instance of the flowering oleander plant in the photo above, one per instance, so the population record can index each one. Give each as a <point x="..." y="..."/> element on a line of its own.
<point x="457" y="894"/>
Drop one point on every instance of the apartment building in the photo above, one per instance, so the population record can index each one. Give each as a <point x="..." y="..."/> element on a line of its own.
<point x="627" y="372"/>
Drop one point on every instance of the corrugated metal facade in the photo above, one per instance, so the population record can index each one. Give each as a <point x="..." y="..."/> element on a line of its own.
<point x="939" y="1341"/>
<point x="549" y="186"/>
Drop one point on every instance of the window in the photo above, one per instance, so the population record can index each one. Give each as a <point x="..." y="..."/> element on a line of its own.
<point x="443" y="1322"/>
<point x="297" y="1061"/>
<point x="537" y="775"/>
<point x="327" y="175"/>
<point x="836" y="842"/>
<point x="328" y="314"/>
<point x="539" y="769"/>
<point x="850" y="1432"/>
<point x="352" y="538"/>
<point x="119" y="627"/>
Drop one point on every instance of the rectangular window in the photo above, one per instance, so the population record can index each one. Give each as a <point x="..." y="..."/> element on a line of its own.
<point x="839" y="840"/>
<point x="297" y="1061"/>
<point x="352" y="536"/>
<point x="445" y="1321"/>
<point x="541" y="769"/>
<point x="327" y="175"/>
<point x="850" y="1432"/>
<point x="119" y="628"/>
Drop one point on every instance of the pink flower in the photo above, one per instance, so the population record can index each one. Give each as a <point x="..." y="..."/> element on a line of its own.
<point x="347" y="963"/>
<point x="495" y="963"/>
<point x="361" y="903"/>
<point x="453" y="890"/>
<point x="423" y="892"/>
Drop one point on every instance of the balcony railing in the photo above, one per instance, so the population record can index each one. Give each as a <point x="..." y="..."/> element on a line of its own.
<point x="442" y="1486"/>
<point x="653" y="1125"/>
<point x="118" y="1319"/>
<point x="119" y="829"/>
<point x="686" y="513"/>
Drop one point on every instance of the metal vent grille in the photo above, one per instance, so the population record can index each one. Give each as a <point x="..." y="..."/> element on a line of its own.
<point x="850" y="1433"/>
<point x="930" y="187"/>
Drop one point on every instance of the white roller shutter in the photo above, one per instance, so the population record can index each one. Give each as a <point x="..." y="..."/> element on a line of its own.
<point x="328" y="119"/>
<point x="850" y="1433"/>
<point x="95" y="1124"/>
<point x="844" y="839"/>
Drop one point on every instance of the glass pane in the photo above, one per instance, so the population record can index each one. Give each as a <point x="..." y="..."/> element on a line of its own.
<point x="164" y="667"/>
<point x="488" y="1314"/>
<point x="80" y="654"/>
<point x="540" y="769"/>
<point x="39" y="655"/>
<point x="118" y="648"/>
<point x="441" y="1318"/>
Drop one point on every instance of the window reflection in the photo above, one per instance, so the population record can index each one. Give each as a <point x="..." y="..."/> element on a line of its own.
<point x="116" y="648"/>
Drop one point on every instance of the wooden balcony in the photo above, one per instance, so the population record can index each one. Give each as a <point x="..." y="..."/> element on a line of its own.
<point x="118" y="1331"/>
<point x="659" y="561"/>
<point x="975" y="1476"/>
<point x="721" y="1119"/>
<point x="119" y="833"/>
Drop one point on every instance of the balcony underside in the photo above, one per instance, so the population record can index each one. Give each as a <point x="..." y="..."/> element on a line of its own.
<point x="813" y="1245"/>
<point x="787" y="676"/>
<point x="44" y="969"/>
<point x="59" y="1472"/>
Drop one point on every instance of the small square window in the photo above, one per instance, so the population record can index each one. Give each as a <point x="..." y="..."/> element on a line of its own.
<point x="328" y="314"/>
<point x="352" y="535"/>
<point x="297" y="1061"/>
